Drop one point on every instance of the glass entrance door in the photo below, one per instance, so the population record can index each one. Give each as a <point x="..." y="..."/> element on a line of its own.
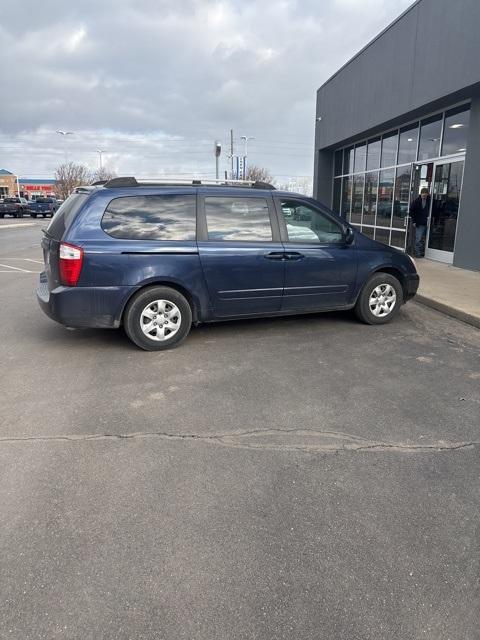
<point x="447" y="186"/>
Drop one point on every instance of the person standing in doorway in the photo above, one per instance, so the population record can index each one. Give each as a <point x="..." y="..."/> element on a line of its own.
<point x="419" y="212"/>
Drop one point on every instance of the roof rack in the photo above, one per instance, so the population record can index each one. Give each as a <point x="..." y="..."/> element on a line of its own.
<point x="194" y="182"/>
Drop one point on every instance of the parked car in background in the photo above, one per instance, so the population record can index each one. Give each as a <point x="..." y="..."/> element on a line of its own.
<point x="157" y="258"/>
<point x="42" y="206"/>
<point x="15" y="207"/>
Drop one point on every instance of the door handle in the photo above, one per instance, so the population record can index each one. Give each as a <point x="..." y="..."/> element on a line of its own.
<point x="293" y="255"/>
<point x="275" y="255"/>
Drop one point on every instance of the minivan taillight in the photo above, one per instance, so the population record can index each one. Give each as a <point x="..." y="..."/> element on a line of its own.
<point x="71" y="261"/>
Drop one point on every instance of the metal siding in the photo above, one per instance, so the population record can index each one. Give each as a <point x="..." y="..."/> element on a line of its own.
<point x="429" y="53"/>
<point x="467" y="243"/>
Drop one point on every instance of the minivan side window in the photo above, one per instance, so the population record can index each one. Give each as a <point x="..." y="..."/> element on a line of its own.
<point x="306" y="224"/>
<point x="238" y="219"/>
<point x="156" y="217"/>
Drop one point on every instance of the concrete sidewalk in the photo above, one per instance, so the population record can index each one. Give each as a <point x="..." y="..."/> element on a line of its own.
<point x="453" y="291"/>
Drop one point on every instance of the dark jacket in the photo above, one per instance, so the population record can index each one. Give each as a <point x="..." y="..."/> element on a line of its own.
<point x="418" y="213"/>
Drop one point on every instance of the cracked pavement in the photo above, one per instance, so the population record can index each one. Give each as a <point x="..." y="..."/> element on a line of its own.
<point x="291" y="478"/>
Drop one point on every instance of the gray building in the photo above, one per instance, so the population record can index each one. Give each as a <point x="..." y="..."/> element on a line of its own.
<point x="404" y="113"/>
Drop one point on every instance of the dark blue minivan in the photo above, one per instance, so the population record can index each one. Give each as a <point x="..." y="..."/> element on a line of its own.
<point x="156" y="258"/>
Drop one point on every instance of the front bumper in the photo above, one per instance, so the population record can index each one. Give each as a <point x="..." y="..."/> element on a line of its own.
<point x="94" y="307"/>
<point x="412" y="280"/>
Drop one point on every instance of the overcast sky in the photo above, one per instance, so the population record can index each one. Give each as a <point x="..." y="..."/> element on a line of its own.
<point x="154" y="82"/>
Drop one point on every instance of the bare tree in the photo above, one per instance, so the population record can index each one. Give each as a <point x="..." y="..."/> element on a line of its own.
<point x="68" y="176"/>
<point x="259" y="174"/>
<point x="104" y="173"/>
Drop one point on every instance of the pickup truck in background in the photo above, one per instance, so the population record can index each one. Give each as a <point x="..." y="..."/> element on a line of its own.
<point x="15" y="207"/>
<point x="42" y="207"/>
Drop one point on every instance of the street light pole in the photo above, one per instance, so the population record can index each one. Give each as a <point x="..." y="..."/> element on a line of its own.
<point x="65" y="134"/>
<point x="100" y="151"/>
<point x="246" y="139"/>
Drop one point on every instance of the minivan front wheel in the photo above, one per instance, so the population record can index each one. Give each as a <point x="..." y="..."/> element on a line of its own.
<point x="157" y="318"/>
<point x="380" y="299"/>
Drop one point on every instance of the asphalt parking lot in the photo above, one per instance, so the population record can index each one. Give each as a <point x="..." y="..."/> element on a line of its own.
<point x="302" y="478"/>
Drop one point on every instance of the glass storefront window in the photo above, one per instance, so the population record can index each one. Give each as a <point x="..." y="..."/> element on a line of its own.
<point x="385" y="197"/>
<point x="370" y="198"/>
<point x="348" y="160"/>
<point x="398" y="239"/>
<point x="455" y="133"/>
<point x="337" y="191"/>
<point x="346" y="196"/>
<point x="382" y="235"/>
<point x="401" y="196"/>
<point x="337" y="164"/>
<point x="389" y="149"/>
<point x="374" y="191"/>
<point x="373" y="154"/>
<point x="407" y="144"/>
<point x="430" y="133"/>
<point x="357" y="198"/>
<point x="360" y="157"/>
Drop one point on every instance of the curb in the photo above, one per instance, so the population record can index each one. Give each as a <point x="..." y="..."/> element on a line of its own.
<point x="448" y="310"/>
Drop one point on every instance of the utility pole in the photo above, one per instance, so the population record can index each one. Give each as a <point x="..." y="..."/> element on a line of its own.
<point x="231" y="152"/>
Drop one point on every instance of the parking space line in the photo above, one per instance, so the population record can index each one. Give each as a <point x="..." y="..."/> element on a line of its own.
<point x="31" y="260"/>
<point x="7" y="266"/>
<point x="15" y="226"/>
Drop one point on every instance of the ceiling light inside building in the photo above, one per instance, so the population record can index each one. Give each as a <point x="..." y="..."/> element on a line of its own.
<point x="409" y="139"/>
<point x="462" y="149"/>
<point x="456" y="125"/>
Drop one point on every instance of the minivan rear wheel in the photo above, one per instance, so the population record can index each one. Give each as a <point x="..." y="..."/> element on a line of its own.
<point x="380" y="299"/>
<point x="157" y="318"/>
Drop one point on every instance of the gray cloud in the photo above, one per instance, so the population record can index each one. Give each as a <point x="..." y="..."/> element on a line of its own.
<point x="154" y="82"/>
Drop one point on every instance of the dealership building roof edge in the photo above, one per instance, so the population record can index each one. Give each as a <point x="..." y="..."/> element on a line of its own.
<point x="419" y="74"/>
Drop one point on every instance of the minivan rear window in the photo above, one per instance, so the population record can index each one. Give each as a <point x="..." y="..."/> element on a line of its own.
<point x="155" y="217"/>
<point x="65" y="215"/>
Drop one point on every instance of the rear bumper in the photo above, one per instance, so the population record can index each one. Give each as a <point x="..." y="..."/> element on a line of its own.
<point x="412" y="280"/>
<point x="94" y="307"/>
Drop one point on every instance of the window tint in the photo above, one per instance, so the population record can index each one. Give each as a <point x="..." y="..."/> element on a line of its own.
<point x="407" y="148"/>
<point x="373" y="154"/>
<point x="305" y="224"/>
<point x="430" y="133"/>
<point x="168" y="217"/>
<point x="65" y="215"/>
<point x="370" y="198"/>
<point x="346" y="196"/>
<point x="456" y="130"/>
<point x="360" y="157"/>
<point x="238" y="219"/>
<point x="385" y="199"/>
<point x="389" y="149"/>
<point x="338" y="162"/>
<point x="337" y="192"/>
<point x="348" y="160"/>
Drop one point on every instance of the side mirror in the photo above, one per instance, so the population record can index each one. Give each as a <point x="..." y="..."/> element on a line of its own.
<point x="349" y="235"/>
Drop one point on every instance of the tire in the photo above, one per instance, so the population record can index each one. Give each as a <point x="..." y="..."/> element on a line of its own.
<point x="381" y="286"/>
<point x="33" y="215"/>
<point x="157" y="305"/>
